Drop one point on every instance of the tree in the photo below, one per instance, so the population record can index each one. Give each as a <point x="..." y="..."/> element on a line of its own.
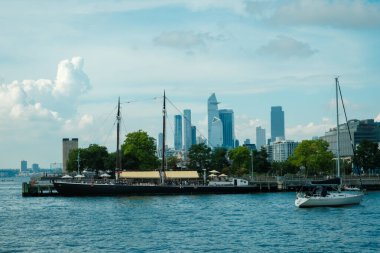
<point x="199" y="157"/>
<point x="139" y="150"/>
<point x="95" y="157"/>
<point x="260" y="161"/>
<point x="314" y="156"/>
<point x="282" y="168"/>
<point x="92" y="158"/>
<point x="172" y="162"/>
<point x="219" y="159"/>
<point x="72" y="161"/>
<point x="240" y="157"/>
<point x="367" y="155"/>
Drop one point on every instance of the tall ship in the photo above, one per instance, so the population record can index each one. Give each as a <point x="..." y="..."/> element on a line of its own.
<point x="156" y="182"/>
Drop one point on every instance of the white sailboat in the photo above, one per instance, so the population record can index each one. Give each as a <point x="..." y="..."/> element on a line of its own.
<point x="329" y="193"/>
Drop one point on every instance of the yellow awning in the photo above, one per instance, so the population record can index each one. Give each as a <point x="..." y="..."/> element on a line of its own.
<point x="140" y="174"/>
<point x="182" y="174"/>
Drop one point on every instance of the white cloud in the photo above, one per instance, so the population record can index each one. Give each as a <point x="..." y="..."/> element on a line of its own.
<point x="71" y="80"/>
<point x="302" y="132"/>
<point x="43" y="100"/>
<point x="286" y="47"/>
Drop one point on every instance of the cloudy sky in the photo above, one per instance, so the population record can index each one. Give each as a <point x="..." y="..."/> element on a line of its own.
<point x="63" y="65"/>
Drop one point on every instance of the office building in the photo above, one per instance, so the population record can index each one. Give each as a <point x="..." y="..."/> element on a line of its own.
<point x="187" y="129"/>
<point x="360" y="130"/>
<point x="227" y="118"/>
<point x="159" y="145"/>
<point x="24" y="166"/>
<point x="260" y="137"/>
<point x="35" y="167"/>
<point x="216" y="139"/>
<point x="67" y="146"/>
<point x="213" y="115"/>
<point x="281" y="150"/>
<point x="193" y="135"/>
<point x="277" y="123"/>
<point x="177" y="132"/>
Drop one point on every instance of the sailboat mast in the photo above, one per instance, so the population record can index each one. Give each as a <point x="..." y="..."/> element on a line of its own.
<point x="337" y="129"/>
<point x="163" y="138"/>
<point x="163" y="132"/>
<point x="118" y="157"/>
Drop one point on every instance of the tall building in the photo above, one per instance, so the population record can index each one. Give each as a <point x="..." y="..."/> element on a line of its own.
<point x="67" y="146"/>
<point x="159" y="145"/>
<point x="216" y="139"/>
<point x="227" y="118"/>
<point x="360" y="130"/>
<point x="212" y="113"/>
<point x="24" y="166"/>
<point x="277" y="123"/>
<point x="260" y="137"/>
<point x="187" y="129"/>
<point x="193" y="135"/>
<point x="178" y="132"/>
<point x="35" y="167"/>
<point x="247" y="142"/>
<point x="281" y="150"/>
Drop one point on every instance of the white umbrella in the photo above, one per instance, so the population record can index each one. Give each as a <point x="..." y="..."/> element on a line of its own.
<point x="79" y="176"/>
<point x="212" y="175"/>
<point x="214" y="171"/>
<point x="222" y="175"/>
<point x="105" y="175"/>
<point x="67" y="176"/>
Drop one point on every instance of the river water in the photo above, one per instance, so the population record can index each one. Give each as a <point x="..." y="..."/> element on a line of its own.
<point x="267" y="222"/>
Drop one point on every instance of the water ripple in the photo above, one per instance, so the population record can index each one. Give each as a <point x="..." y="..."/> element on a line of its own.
<point x="211" y="223"/>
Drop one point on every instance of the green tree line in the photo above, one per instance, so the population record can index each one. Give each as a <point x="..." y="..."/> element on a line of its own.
<point x="311" y="157"/>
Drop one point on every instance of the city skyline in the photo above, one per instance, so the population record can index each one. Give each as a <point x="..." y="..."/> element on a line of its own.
<point x="64" y="65"/>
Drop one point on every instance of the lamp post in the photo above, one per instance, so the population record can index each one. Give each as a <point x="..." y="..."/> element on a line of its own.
<point x="204" y="176"/>
<point x="251" y="164"/>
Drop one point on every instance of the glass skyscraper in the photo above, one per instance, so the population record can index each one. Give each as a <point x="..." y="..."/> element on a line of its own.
<point x="260" y="137"/>
<point x="277" y="123"/>
<point x="187" y="129"/>
<point x="213" y="124"/>
<point x="193" y="135"/>
<point x="227" y="118"/>
<point x="177" y="132"/>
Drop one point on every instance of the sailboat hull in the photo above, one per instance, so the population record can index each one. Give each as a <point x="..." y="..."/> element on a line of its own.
<point x="332" y="199"/>
<point x="81" y="189"/>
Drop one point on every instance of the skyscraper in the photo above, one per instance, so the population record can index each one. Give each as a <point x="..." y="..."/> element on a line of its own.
<point x="187" y="129"/>
<point x="260" y="137"/>
<point x="24" y="166"/>
<point x="277" y="123"/>
<point x="67" y="146"/>
<point x="227" y="118"/>
<point x="216" y="139"/>
<point x="178" y="132"/>
<point x="213" y="116"/>
<point x="193" y="135"/>
<point x="159" y="144"/>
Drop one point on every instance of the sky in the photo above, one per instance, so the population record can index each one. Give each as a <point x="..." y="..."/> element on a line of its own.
<point x="63" y="65"/>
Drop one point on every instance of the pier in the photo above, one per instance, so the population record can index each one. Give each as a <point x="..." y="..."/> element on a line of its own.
<point x="38" y="189"/>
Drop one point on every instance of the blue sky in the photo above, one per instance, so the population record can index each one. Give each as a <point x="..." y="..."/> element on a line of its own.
<point x="64" y="63"/>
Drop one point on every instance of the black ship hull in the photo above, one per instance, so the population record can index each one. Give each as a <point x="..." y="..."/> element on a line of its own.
<point x="88" y="189"/>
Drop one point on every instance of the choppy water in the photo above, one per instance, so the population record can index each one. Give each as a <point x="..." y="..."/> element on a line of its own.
<point x="212" y="223"/>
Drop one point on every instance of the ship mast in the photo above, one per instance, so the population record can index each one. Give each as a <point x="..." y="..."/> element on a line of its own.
<point x="163" y="140"/>
<point x="118" y="157"/>
<point x="337" y="129"/>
